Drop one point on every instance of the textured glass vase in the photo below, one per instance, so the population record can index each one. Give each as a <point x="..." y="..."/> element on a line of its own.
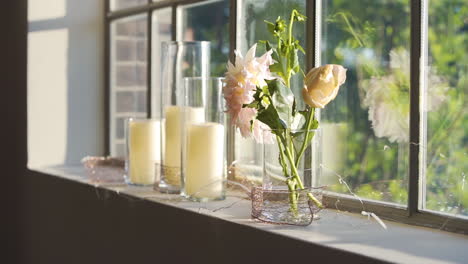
<point x="273" y="206"/>
<point x="291" y="172"/>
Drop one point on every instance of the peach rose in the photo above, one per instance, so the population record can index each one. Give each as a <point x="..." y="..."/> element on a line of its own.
<point x="321" y="84"/>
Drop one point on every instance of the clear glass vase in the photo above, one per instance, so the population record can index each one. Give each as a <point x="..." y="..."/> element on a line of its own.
<point x="143" y="151"/>
<point x="273" y="206"/>
<point x="291" y="171"/>
<point x="203" y="140"/>
<point x="180" y="59"/>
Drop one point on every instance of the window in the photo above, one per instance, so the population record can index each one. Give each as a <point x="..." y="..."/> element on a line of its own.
<point x="445" y="139"/>
<point x="128" y="70"/>
<point x="366" y="128"/>
<point x="395" y="138"/>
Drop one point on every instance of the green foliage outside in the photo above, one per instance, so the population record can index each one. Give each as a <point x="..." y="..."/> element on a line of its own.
<point x="363" y="39"/>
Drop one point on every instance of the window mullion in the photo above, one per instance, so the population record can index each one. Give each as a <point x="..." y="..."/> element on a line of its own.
<point x="417" y="62"/>
<point x="313" y="39"/>
<point x="178" y="23"/>
<point x="149" y="61"/>
<point x="313" y="33"/>
<point x="233" y="4"/>
<point x="107" y="137"/>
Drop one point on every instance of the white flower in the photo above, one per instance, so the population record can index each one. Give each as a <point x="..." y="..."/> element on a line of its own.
<point x="242" y="79"/>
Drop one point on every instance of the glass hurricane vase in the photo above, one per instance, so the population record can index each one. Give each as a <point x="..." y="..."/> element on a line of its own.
<point x="291" y="171"/>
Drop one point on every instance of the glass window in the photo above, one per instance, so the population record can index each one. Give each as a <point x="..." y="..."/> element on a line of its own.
<point x="250" y="29"/>
<point x="366" y="128"/>
<point x="445" y="104"/>
<point x="208" y="21"/>
<point x="162" y="31"/>
<point x="122" y="4"/>
<point x="128" y="73"/>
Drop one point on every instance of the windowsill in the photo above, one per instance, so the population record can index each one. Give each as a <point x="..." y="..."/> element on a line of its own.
<point x="344" y="231"/>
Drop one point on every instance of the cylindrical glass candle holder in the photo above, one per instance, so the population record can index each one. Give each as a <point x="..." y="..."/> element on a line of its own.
<point x="180" y="59"/>
<point x="203" y="141"/>
<point x="143" y="151"/>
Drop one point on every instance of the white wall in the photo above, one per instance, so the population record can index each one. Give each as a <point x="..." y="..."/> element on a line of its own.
<point x="65" y="81"/>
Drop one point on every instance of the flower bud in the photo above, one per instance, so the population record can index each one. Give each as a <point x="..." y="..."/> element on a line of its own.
<point x="321" y="84"/>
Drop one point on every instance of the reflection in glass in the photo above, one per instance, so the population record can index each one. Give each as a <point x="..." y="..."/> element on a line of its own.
<point x="162" y="31"/>
<point x="128" y="69"/>
<point x="122" y="4"/>
<point x="445" y="104"/>
<point x="208" y="21"/>
<point x="366" y="128"/>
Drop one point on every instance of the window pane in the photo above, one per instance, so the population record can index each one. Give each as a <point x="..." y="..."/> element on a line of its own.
<point x="128" y="72"/>
<point x="366" y="128"/>
<point x="446" y="102"/>
<point x="122" y="4"/>
<point x="162" y="31"/>
<point x="250" y="29"/>
<point x="209" y="22"/>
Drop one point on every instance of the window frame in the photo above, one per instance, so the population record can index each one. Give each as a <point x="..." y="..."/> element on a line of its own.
<point x="414" y="212"/>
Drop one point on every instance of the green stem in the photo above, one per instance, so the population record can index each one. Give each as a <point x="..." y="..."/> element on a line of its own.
<point x="291" y="22"/>
<point x="282" y="158"/>
<point x="306" y="137"/>
<point x="288" y="73"/>
<point x="292" y="195"/>
<point x="298" y="179"/>
<point x="351" y="29"/>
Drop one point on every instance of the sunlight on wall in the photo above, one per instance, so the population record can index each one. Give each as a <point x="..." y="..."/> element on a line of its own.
<point x="45" y="9"/>
<point x="65" y="81"/>
<point x="47" y="98"/>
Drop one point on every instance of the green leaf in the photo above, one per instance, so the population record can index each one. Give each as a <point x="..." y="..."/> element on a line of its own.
<point x="253" y="104"/>
<point x="299" y="120"/>
<point x="267" y="44"/>
<point x="300" y="17"/>
<point x="270" y="26"/>
<point x="282" y="99"/>
<point x="280" y="65"/>
<point x="270" y="117"/>
<point x="294" y="107"/>
<point x="298" y="46"/>
<point x="265" y="101"/>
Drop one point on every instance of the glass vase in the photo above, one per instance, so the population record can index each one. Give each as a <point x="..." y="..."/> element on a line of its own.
<point x="143" y="151"/>
<point x="291" y="170"/>
<point x="273" y="206"/>
<point x="179" y="59"/>
<point x="203" y="140"/>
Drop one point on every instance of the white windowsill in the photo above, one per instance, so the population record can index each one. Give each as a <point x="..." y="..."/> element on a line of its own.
<point x="350" y="232"/>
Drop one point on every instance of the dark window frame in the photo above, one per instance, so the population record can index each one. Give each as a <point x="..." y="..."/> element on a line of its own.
<point x="413" y="213"/>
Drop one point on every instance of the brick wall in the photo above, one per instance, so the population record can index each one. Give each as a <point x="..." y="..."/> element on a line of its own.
<point x="129" y="75"/>
<point x="129" y="70"/>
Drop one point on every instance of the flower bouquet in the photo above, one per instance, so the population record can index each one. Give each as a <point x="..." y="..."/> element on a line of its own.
<point x="261" y="103"/>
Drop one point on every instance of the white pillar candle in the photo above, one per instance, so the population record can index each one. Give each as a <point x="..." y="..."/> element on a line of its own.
<point x="204" y="173"/>
<point x="143" y="150"/>
<point x="173" y="138"/>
